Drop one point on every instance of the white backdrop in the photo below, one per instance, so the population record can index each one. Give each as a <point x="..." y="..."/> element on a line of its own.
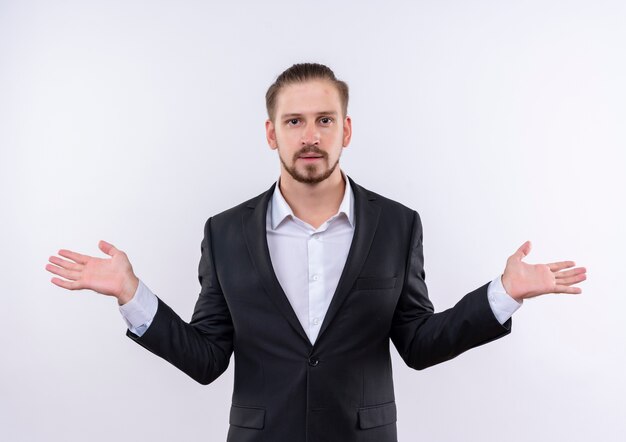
<point x="133" y="121"/>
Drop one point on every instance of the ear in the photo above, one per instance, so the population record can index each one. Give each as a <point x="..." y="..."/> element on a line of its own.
<point x="347" y="131"/>
<point x="270" y="134"/>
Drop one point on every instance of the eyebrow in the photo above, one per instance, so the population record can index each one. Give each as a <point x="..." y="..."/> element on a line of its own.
<point x="295" y="114"/>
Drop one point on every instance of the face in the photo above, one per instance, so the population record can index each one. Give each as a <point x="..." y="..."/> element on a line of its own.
<point x="309" y="131"/>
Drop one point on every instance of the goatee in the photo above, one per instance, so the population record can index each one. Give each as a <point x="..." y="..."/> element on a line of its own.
<point x="310" y="176"/>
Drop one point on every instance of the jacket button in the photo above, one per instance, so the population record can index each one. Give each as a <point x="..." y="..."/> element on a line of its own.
<point x="313" y="361"/>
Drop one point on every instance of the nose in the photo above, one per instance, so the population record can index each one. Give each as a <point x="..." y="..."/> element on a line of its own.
<point x="310" y="136"/>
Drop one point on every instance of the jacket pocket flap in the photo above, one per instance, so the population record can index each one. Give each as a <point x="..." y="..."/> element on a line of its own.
<point x="247" y="417"/>
<point x="377" y="416"/>
<point x="375" y="283"/>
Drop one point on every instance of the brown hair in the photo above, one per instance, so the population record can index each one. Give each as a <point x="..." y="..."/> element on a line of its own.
<point x="300" y="73"/>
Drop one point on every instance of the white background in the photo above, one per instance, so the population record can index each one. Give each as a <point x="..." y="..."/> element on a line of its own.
<point x="134" y="121"/>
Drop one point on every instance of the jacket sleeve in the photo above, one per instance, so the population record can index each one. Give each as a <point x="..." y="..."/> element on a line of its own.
<point x="424" y="338"/>
<point x="202" y="347"/>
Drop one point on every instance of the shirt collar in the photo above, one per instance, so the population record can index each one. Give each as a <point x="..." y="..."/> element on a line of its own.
<point x="281" y="210"/>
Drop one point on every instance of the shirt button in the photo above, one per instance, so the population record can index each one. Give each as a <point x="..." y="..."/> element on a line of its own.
<point x="313" y="361"/>
<point x="316" y="321"/>
<point x="315" y="277"/>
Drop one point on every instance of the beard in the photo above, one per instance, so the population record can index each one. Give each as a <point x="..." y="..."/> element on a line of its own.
<point x="313" y="173"/>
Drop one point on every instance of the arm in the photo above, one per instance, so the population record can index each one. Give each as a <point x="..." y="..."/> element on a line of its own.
<point x="201" y="348"/>
<point x="424" y="338"/>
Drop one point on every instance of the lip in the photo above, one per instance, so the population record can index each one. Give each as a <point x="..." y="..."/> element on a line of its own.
<point x="311" y="158"/>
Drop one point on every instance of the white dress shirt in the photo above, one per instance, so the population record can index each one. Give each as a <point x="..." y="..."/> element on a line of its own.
<point x="308" y="263"/>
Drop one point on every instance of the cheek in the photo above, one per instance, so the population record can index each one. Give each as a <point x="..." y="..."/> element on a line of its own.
<point x="287" y="137"/>
<point x="336" y="135"/>
<point x="336" y="141"/>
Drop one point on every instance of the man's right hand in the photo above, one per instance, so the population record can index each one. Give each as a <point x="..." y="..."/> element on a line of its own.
<point x="112" y="277"/>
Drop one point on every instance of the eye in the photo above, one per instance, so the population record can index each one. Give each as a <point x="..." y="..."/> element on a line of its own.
<point x="293" y="121"/>
<point x="326" y="121"/>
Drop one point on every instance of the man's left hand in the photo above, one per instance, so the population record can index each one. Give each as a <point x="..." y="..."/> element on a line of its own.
<point x="522" y="280"/>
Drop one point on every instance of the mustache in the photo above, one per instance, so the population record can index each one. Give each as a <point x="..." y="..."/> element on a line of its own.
<point x="310" y="149"/>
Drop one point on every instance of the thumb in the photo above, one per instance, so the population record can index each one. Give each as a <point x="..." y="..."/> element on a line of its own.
<point x="107" y="248"/>
<point x="523" y="250"/>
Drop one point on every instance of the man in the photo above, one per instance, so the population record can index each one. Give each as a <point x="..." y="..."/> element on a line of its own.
<point x="307" y="283"/>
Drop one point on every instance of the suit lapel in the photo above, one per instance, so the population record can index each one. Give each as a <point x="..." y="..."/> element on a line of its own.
<point x="254" y="227"/>
<point x="366" y="222"/>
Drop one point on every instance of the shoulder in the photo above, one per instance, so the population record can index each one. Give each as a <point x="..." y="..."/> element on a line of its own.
<point x="388" y="206"/>
<point x="235" y="213"/>
<point x="394" y="219"/>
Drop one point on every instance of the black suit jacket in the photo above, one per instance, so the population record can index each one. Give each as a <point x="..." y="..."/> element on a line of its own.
<point x="341" y="388"/>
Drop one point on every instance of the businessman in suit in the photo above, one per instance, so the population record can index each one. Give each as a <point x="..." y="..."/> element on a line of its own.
<point x="307" y="283"/>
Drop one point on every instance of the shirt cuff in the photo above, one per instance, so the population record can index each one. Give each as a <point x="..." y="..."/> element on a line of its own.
<point x="139" y="312"/>
<point x="502" y="305"/>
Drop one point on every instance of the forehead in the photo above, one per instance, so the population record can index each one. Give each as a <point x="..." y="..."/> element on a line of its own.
<point x="308" y="97"/>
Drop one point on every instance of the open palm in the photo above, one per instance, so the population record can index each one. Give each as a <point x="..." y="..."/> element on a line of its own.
<point x="109" y="276"/>
<point x="522" y="280"/>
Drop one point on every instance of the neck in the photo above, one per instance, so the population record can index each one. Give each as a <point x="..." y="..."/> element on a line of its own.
<point x="313" y="203"/>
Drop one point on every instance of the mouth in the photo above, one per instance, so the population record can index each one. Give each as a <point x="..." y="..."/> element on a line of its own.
<point x="310" y="157"/>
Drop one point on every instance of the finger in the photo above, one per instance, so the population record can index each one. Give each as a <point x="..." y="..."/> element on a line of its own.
<point x="567" y="290"/>
<point x="69" y="265"/>
<point x="107" y="248"/>
<point x="568" y="273"/>
<point x="69" y="285"/>
<point x="558" y="266"/>
<point x="76" y="257"/>
<point x="67" y="274"/>
<point x="572" y="279"/>
<point x="523" y="250"/>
